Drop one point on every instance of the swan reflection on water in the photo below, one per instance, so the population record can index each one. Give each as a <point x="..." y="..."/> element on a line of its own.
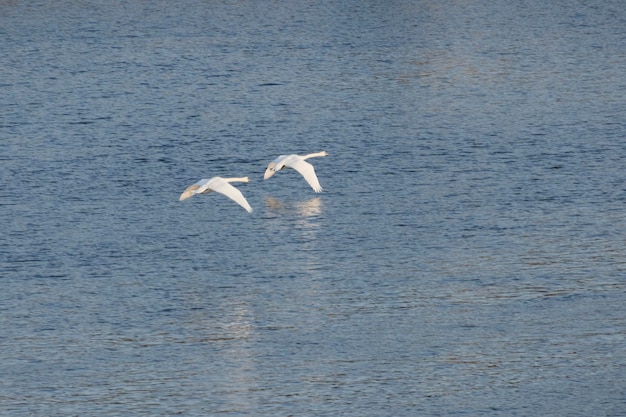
<point x="307" y="208"/>
<point x="295" y="227"/>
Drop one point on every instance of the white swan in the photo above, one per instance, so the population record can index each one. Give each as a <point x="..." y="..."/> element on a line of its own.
<point x="298" y="163"/>
<point x="220" y="185"/>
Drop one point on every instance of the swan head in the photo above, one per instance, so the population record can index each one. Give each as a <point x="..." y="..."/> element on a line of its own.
<point x="185" y="195"/>
<point x="189" y="192"/>
<point x="269" y="171"/>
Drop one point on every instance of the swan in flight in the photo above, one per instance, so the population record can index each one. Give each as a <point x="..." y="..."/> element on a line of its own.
<point x="222" y="186"/>
<point x="297" y="162"/>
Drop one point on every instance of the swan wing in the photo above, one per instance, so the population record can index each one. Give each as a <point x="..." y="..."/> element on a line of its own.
<point x="223" y="187"/>
<point x="307" y="171"/>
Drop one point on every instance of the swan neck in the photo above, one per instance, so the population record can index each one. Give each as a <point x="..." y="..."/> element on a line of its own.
<point x="238" y="179"/>
<point x="313" y="155"/>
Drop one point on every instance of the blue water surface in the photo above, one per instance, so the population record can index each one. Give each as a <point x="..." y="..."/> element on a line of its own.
<point x="467" y="255"/>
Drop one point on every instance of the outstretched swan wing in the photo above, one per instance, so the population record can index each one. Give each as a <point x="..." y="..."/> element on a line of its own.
<point x="223" y="187"/>
<point x="307" y="171"/>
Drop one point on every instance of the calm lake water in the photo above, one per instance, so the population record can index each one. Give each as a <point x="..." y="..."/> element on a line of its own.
<point x="467" y="255"/>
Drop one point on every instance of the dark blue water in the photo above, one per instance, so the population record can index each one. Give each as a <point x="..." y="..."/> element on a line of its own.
<point x="467" y="255"/>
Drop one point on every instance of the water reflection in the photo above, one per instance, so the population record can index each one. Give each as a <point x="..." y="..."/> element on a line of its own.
<point x="273" y="204"/>
<point x="294" y="227"/>
<point x="224" y="321"/>
<point x="302" y="209"/>
<point x="309" y="208"/>
<point x="237" y="375"/>
<point x="303" y="215"/>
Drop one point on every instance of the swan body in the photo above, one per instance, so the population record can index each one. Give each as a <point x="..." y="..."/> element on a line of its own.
<point x="297" y="162"/>
<point x="220" y="185"/>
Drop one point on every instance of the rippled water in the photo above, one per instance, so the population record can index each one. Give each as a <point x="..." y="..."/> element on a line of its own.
<point x="467" y="257"/>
